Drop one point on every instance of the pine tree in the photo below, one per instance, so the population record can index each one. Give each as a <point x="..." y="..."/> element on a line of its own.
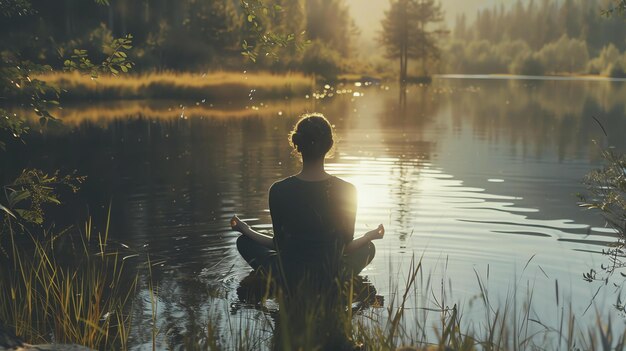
<point x="406" y="33"/>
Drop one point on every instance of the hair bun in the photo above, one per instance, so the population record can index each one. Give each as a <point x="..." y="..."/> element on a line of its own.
<point x="312" y="136"/>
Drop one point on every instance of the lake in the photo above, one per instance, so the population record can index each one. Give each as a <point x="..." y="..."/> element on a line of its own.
<point x="476" y="177"/>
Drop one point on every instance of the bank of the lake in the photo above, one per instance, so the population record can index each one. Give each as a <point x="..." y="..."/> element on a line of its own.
<point x="203" y="86"/>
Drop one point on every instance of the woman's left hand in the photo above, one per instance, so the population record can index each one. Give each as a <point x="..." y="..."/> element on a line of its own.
<point x="237" y="224"/>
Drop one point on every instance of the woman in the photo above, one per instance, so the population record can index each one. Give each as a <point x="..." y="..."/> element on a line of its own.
<point x="313" y="215"/>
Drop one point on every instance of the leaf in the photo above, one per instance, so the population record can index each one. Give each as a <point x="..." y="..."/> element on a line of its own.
<point x="53" y="200"/>
<point x="3" y="208"/>
<point x="31" y="216"/>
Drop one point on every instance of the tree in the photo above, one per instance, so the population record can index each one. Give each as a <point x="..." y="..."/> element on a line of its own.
<point x="406" y="33"/>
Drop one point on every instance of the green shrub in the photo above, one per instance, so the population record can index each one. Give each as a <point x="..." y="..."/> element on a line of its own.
<point x="528" y="64"/>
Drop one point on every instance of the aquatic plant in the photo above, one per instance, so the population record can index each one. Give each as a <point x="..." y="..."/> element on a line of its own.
<point x="67" y="287"/>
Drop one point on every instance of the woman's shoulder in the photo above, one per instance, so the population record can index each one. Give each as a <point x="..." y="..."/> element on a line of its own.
<point x="294" y="181"/>
<point x="282" y="184"/>
<point x="343" y="183"/>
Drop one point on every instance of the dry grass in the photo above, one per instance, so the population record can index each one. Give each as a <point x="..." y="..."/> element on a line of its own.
<point x="71" y="295"/>
<point x="105" y="112"/>
<point x="211" y="86"/>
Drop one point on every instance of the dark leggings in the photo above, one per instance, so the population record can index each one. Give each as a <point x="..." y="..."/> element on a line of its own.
<point x="262" y="258"/>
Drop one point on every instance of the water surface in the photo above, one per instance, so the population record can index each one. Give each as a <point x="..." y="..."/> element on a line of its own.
<point x="475" y="177"/>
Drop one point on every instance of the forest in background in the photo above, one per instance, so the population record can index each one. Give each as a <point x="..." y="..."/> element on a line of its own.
<point x="539" y="37"/>
<point x="183" y="35"/>
<point x="528" y="37"/>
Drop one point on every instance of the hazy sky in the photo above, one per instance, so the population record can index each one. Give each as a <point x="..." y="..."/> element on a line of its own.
<point x="368" y="13"/>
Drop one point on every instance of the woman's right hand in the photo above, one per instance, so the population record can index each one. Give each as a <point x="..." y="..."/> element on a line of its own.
<point x="376" y="234"/>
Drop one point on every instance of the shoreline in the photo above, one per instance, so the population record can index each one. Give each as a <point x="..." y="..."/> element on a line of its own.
<point x="507" y="76"/>
<point x="207" y="86"/>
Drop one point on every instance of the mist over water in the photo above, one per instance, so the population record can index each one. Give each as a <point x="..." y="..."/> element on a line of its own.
<point x="475" y="176"/>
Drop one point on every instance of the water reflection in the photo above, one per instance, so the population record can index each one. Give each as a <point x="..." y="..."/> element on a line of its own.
<point x="474" y="173"/>
<point x="309" y="316"/>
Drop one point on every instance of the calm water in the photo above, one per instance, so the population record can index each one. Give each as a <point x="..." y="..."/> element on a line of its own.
<point x="478" y="177"/>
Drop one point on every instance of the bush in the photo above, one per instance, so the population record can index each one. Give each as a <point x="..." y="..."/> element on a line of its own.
<point x="602" y="64"/>
<point x="564" y="55"/>
<point x="528" y="64"/>
<point x="320" y="59"/>
<point x="616" y="70"/>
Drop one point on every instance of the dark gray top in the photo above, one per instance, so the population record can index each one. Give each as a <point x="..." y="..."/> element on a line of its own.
<point x="312" y="220"/>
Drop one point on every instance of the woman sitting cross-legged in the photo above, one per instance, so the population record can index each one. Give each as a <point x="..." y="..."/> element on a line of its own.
<point x="313" y="215"/>
<point x="313" y="253"/>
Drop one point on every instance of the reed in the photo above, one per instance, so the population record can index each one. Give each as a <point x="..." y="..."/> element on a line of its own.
<point x="423" y="315"/>
<point x="64" y="290"/>
<point x="210" y="86"/>
<point x="46" y="296"/>
<point x="103" y="113"/>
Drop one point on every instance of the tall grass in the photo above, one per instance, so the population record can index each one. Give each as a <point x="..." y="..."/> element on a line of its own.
<point x="103" y="113"/>
<point x="85" y="299"/>
<point x="54" y="288"/>
<point x="423" y="315"/>
<point x="211" y="86"/>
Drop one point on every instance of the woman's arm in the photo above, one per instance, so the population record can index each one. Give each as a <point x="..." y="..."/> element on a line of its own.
<point x="242" y="227"/>
<point x="375" y="234"/>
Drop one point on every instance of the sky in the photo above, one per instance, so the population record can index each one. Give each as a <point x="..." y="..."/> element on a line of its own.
<point x="367" y="14"/>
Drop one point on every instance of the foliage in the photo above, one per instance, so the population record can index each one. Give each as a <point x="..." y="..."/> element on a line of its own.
<point x="608" y="56"/>
<point x="266" y="41"/>
<point x="321" y="60"/>
<point x="564" y="55"/>
<point x="181" y="35"/>
<point x="527" y="64"/>
<point x="70" y="296"/>
<point x="329" y="22"/>
<point x="607" y="187"/>
<point x="481" y="56"/>
<point x="566" y="36"/>
<point x="33" y="189"/>
<point x="12" y="8"/>
<point x="406" y="34"/>
<point x="19" y="82"/>
<point x="619" y="7"/>
<point x="16" y="80"/>
<point x="116" y="61"/>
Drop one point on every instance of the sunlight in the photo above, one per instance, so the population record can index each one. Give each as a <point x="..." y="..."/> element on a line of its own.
<point x="373" y="179"/>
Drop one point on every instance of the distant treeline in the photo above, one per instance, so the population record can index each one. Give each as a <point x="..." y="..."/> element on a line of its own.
<point x="182" y="34"/>
<point x="540" y="37"/>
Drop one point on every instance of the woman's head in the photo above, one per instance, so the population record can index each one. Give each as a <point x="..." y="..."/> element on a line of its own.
<point x="312" y="136"/>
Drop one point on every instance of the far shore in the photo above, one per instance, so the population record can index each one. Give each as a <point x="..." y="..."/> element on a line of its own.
<point x="221" y="86"/>
<point x="587" y="77"/>
<point x="206" y="87"/>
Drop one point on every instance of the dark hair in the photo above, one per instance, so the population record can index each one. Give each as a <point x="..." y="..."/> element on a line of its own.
<point x="312" y="136"/>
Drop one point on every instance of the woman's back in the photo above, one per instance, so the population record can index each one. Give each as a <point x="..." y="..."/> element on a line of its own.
<point x="312" y="220"/>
